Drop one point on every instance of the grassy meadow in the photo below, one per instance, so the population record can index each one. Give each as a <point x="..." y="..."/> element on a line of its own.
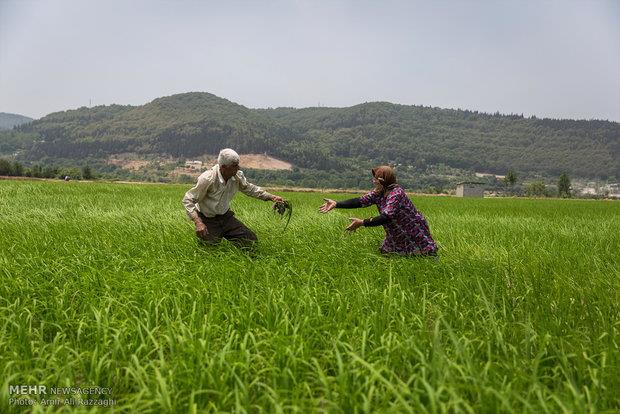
<point x="106" y="285"/>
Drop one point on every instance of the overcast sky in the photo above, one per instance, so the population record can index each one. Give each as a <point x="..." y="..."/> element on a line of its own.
<point x="556" y="59"/>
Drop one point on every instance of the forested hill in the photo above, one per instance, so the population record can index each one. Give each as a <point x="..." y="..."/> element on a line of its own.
<point x="464" y="139"/>
<point x="8" y="121"/>
<point x="193" y="124"/>
<point x="184" y="125"/>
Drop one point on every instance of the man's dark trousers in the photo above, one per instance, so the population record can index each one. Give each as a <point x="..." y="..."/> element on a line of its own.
<point x="226" y="226"/>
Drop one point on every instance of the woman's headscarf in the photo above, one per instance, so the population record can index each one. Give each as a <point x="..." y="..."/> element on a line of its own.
<point x="386" y="179"/>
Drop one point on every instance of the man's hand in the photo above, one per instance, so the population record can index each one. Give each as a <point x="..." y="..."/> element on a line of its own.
<point x="277" y="199"/>
<point x="355" y="224"/>
<point x="327" y="206"/>
<point x="201" y="230"/>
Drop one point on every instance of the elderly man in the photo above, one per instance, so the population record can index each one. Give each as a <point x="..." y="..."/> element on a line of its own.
<point x="208" y="203"/>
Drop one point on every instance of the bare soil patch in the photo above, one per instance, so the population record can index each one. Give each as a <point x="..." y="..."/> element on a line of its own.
<point x="263" y="162"/>
<point x="128" y="164"/>
<point x="253" y="161"/>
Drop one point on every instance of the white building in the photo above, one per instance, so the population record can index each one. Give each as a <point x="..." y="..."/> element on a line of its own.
<point x="613" y="190"/>
<point x="469" y="189"/>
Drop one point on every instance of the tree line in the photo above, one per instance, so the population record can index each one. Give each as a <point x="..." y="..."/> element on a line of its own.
<point x="17" y="169"/>
<point x="433" y="181"/>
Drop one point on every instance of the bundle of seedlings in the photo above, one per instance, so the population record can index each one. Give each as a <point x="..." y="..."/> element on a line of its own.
<point x="284" y="208"/>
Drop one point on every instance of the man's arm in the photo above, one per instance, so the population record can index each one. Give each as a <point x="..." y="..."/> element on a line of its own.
<point x="255" y="191"/>
<point x="189" y="202"/>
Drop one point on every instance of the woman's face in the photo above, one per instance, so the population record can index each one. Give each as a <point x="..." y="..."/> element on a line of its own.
<point x="376" y="184"/>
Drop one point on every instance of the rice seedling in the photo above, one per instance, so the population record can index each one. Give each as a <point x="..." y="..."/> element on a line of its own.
<point x="284" y="208"/>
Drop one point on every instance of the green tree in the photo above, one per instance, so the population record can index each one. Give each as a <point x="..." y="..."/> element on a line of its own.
<point x="87" y="174"/>
<point x="49" y="171"/>
<point x="564" y="189"/>
<point x="36" y="171"/>
<point x="511" y="178"/>
<point x="5" y="167"/>
<point x="536" y="189"/>
<point x="185" y="179"/>
<point x="18" y="169"/>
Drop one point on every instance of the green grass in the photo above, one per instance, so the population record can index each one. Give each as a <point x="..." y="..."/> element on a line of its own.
<point x="105" y="284"/>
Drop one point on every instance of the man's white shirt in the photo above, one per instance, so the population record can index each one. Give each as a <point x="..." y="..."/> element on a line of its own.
<point x="212" y="194"/>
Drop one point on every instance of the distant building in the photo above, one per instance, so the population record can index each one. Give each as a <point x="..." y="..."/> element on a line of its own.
<point x="469" y="189"/>
<point x="589" y="191"/>
<point x="194" y="165"/>
<point x="613" y="190"/>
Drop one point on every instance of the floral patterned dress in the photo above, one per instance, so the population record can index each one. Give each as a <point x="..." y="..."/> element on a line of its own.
<point x="406" y="231"/>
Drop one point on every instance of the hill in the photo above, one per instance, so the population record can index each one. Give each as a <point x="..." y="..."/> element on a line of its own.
<point x="326" y="140"/>
<point x="422" y="136"/>
<point x="184" y="125"/>
<point x="8" y="121"/>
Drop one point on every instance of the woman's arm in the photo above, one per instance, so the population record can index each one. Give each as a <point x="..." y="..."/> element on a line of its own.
<point x="330" y="204"/>
<point x="351" y="203"/>
<point x="363" y="201"/>
<point x="376" y="221"/>
<point x="388" y="211"/>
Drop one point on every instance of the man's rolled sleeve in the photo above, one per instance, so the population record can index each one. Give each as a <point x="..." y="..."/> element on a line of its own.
<point x="252" y="190"/>
<point x="195" y="194"/>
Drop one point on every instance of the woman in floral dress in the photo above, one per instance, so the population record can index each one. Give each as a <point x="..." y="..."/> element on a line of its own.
<point x="406" y="229"/>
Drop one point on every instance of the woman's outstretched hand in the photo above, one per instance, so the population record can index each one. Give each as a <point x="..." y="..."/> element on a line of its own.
<point x="327" y="206"/>
<point x="355" y="224"/>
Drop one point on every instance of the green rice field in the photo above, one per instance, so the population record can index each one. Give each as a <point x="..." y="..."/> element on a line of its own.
<point x="105" y="285"/>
